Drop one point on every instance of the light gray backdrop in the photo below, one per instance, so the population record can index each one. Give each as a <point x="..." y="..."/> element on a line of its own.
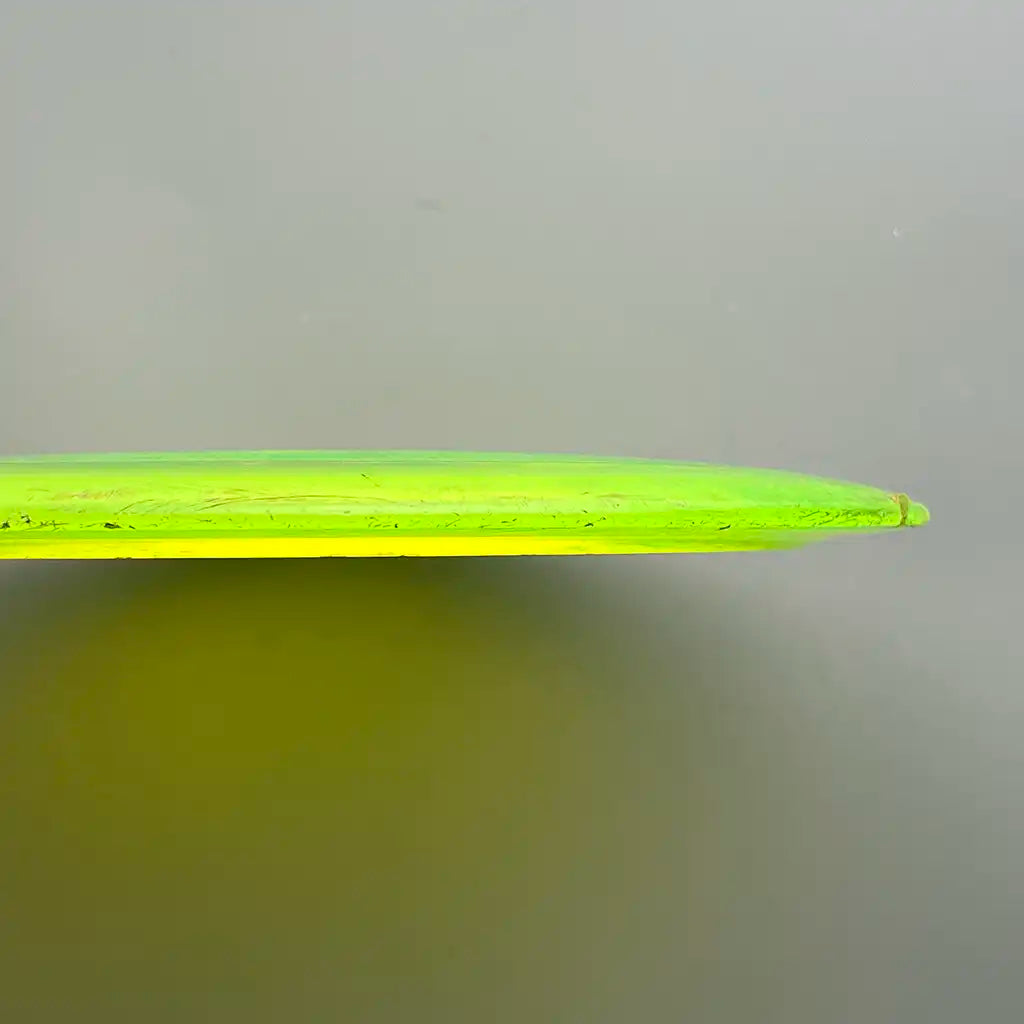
<point x="781" y="787"/>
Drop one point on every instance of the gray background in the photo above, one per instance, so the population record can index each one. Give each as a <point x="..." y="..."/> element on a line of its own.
<point x="767" y="787"/>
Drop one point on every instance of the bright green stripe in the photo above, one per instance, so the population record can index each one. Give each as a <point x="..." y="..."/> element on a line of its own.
<point x="594" y="503"/>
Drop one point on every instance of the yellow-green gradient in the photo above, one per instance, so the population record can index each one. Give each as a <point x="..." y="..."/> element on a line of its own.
<point x="386" y="503"/>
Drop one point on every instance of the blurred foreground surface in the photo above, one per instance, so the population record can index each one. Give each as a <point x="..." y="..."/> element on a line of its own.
<point x="267" y="792"/>
<point x="468" y="790"/>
